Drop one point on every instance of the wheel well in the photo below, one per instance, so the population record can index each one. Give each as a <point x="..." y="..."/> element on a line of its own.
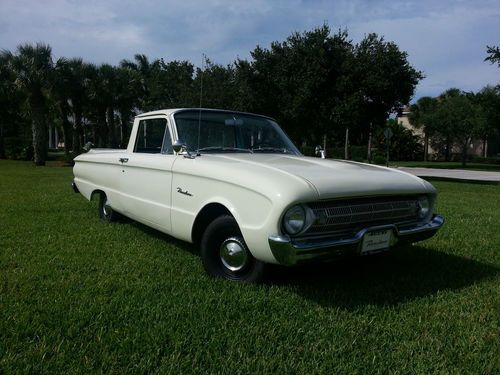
<point x="205" y="217"/>
<point x="96" y="192"/>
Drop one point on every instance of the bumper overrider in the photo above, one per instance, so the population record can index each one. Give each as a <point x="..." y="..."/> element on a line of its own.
<point x="288" y="251"/>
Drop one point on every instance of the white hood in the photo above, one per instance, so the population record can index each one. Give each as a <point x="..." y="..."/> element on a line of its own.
<point x="339" y="178"/>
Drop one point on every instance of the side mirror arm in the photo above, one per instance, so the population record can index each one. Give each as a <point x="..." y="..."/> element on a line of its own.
<point x="319" y="152"/>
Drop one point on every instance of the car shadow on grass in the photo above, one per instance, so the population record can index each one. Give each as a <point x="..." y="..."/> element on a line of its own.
<point x="386" y="279"/>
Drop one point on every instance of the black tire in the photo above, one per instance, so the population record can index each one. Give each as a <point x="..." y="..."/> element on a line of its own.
<point x="220" y="234"/>
<point x="106" y="212"/>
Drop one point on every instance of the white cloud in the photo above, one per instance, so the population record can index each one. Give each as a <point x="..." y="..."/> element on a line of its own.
<point x="445" y="39"/>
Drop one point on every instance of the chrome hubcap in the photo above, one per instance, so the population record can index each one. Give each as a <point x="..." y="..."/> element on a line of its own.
<point x="106" y="208"/>
<point x="233" y="254"/>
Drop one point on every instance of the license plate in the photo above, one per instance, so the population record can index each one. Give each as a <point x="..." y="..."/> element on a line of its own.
<point x="376" y="241"/>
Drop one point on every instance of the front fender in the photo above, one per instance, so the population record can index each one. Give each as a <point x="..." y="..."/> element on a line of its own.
<point x="255" y="214"/>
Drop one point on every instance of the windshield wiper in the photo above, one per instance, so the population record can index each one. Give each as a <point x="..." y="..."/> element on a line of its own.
<point x="224" y="149"/>
<point x="271" y="149"/>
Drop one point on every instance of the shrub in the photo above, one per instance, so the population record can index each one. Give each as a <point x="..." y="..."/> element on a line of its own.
<point x="487" y="160"/>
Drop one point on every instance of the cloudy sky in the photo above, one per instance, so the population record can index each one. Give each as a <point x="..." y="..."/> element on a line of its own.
<point x="445" y="39"/>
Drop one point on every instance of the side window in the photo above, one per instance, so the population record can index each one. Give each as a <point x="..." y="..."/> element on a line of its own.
<point x="150" y="137"/>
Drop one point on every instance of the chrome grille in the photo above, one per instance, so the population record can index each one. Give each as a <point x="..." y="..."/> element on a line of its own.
<point x="345" y="217"/>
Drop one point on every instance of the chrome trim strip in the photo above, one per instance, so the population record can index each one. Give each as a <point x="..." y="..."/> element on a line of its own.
<point x="290" y="252"/>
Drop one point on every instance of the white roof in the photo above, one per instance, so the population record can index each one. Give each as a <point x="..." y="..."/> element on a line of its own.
<point x="168" y="112"/>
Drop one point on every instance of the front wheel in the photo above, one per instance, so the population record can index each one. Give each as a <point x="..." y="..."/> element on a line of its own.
<point x="225" y="254"/>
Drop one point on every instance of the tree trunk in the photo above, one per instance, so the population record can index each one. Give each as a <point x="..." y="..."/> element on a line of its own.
<point x="51" y="136"/>
<point x="124" y="120"/>
<point x="485" y="147"/>
<point x="102" y="128"/>
<point x="78" y="131"/>
<point x="66" y="128"/>
<point x="39" y="130"/>
<point x="110" y="120"/>
<point x="346" y="146"/>
<point x="426" y="147"/>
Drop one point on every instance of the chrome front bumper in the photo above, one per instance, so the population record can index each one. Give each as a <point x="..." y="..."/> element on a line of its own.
<point x="289" y="252"/>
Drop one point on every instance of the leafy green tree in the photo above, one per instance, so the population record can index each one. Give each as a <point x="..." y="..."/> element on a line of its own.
<point x="404" y="145"/>
<point x="298" y="81"/>
<point x="493" y="55"/>
<point x="489" y="100"/>
<point x="33" y="68"/>
<point x="317" y="84"/>
<point x="460" y="118"/>
<point x="218" y="86"/>
<point x="386" y="80"/>
<point x="173" y="85"/>
<point x="421" y="117"/>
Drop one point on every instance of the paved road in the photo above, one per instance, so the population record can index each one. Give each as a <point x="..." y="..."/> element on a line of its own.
<point x="454" y="174"/>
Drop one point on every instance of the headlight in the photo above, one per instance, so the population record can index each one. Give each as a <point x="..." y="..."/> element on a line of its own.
<point x="298" y="219"/>
<point x="425" y="207"/>
<point x="294" y="220"/>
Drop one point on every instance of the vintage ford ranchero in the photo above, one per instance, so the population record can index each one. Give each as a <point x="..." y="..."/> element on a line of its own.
<point x="234" y="184"/>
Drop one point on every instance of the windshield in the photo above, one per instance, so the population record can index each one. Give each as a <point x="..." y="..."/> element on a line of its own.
<point x="231" y="132"/>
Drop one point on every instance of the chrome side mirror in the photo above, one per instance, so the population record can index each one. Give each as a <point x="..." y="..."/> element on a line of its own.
<point x="88" y="146"/>
<point x="319" y="152"/>
<point x="178" y="146"/>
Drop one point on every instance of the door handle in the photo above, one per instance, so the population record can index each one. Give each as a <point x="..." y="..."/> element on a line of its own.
<point x="123" y="160"/>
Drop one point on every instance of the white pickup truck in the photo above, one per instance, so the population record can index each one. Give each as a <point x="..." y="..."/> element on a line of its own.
<point x="234" y="184"/>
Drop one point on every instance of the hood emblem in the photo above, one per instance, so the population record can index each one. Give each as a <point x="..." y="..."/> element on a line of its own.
<point x="185" y="192"/>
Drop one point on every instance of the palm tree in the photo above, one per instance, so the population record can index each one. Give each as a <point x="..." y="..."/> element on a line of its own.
<point x="61" y="89"/>
<point x="146" y="70"/>
<point x="79" y="97"/>
<point x="127" y="90"/>
<point x="96" y="108"/>
<point x="33" y="67"/>
<point x="107" y="74"/>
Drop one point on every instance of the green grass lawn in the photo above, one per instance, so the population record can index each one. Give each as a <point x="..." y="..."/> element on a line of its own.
<point x="447" y="165"/>
<point x="78" y="295"/>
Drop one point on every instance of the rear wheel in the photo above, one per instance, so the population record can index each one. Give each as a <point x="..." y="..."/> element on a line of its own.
<point x="106" y="212"/>
<point x="225" y="254"/>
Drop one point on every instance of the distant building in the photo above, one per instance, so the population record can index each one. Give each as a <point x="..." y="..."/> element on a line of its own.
<point x="476" y="148"/>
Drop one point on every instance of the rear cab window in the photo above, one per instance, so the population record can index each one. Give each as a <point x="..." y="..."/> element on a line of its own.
<point x="153" y="137"/>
